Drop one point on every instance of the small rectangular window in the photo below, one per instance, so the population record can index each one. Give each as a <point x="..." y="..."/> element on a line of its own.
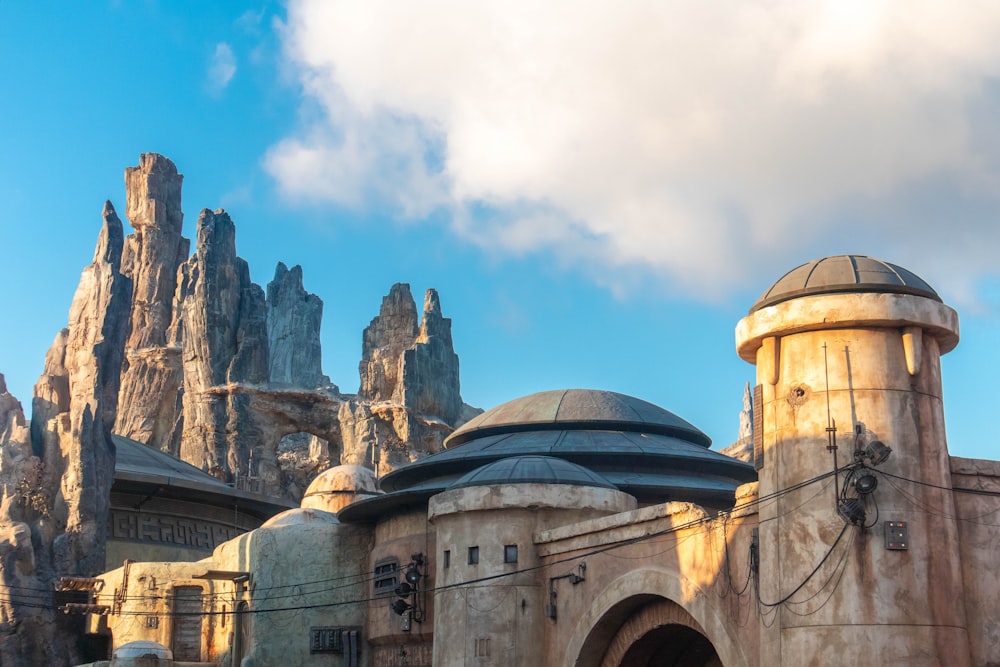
<point x="510" y="553"/>
<point x="386" y="577"/>
<point x="447" y="558"/>
<point x="473" y="555"/>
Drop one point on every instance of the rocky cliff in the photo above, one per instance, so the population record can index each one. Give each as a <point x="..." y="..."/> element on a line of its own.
<point x="56" y="492"/>
<point x="188" y="355"/>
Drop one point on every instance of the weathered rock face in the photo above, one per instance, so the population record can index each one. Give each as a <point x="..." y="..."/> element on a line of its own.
<point x="150" y="407"/>
<point x="390" y="333"/>
<point x="409" y="399"/>
<point x="293" y="323"/>
<point x="221" y="325"/>
<point x="55" y="522"/>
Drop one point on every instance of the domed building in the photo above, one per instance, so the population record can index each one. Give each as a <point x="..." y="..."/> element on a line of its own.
<point x="588" y="528"/>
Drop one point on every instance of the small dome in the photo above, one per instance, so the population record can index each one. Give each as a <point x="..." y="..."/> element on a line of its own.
<point x="570" y="409"/>
<point x="143" y="649"/>
<point x="339" y="486"/>
<point x="532" y="470"/>
<point x="844" y="273"/>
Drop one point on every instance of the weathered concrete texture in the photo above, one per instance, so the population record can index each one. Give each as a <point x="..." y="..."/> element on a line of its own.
<point x="977" y="500"/>
<point x="150" y="405"/>
<point x="325" y="588"/>
<point x="509" y="617"/>
<point x="853" y="367"/>
<point x="293" y="324"/>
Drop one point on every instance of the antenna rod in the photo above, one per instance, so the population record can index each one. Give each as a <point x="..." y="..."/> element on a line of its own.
<point x="831" y="431"/>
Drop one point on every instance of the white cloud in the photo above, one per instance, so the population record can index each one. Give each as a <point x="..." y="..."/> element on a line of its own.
<point x="221" y="69"/>
<point x="699" y="142"/>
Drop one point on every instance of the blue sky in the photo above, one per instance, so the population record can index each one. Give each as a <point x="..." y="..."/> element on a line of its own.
<point x="597" y="196"/>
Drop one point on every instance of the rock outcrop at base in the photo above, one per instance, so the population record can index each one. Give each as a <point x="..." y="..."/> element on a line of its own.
<point x="55" y="521"/>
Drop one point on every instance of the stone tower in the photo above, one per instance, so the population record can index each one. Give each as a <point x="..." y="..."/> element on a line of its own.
<point x="847" y="351"/>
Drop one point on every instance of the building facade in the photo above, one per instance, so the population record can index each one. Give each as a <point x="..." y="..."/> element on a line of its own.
<point x="591" y="529"/>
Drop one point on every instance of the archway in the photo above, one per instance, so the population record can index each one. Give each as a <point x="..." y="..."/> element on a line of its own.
<point x="671" y="646"/>
<point x="650" y="631"/>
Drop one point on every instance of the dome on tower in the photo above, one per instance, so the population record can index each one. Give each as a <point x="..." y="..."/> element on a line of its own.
<point x="841" y="274"/>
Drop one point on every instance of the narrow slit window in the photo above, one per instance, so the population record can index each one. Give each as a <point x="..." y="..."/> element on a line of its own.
<point x="473" y="555"/>
<point x="447" y="558"/>
<point x="510" y="553"/>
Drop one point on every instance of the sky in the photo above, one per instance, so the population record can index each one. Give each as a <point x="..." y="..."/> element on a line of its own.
<point x="598" y="191"/>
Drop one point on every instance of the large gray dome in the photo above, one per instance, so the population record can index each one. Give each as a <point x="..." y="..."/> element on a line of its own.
<point x="640" y="448"/>
<point x="844" y="273"/>
<point x="575" y="409"/>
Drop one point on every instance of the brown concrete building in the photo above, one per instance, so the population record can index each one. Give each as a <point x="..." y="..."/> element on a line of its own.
<point x="591" y="529"/>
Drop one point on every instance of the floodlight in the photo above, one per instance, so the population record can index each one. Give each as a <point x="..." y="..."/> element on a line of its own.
<point x="404" y="589"/>
<point x="866" y="483"/>
<point x="877" y="452"/>
<point x="400" y="607"/>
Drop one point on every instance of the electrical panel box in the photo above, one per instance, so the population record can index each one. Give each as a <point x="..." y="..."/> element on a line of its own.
<point x="896" y="536"/>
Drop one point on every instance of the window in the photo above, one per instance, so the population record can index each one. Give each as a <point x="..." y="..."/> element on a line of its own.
<point x="510" y="553"/>
<point x="473" y="555"/>
<point x="386" y="577"/>
<point x="447" y="558"/>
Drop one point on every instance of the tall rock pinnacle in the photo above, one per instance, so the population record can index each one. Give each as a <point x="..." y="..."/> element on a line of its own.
<point x="222" y="326"/>
<point x="409" y="399"/>
<point x="293" y="323"/>
<point x="150" y="406"/>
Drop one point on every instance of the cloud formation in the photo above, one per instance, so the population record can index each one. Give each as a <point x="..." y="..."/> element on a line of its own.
<point x="699" y="143"/>
<point x="221" y="69"/>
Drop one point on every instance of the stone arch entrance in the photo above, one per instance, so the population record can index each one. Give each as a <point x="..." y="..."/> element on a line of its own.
<point x="648" y="631"/>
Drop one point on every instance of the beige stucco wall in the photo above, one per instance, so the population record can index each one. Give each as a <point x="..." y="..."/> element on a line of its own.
<point x="397" y="538"/>
<point x="643" y="558"/>
<point x="493" y="619"/>
<point x="977" y="504"/>
<point x="869" y="360"/>
<point x="306" y="570"/>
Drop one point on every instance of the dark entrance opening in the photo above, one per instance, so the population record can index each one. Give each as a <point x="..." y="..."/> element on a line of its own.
<point x="671" y="646"/>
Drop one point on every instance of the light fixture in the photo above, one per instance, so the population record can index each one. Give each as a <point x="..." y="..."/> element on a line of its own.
<point x="853" y="510"/>
<point x="877" y="452"/>
<point x="407" y="591"/>
<point x="865" y="483"/>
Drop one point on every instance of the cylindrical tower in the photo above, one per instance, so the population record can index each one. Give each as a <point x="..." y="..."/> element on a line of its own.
<point x="847" y="351"/>
<point x="489" y="584"/>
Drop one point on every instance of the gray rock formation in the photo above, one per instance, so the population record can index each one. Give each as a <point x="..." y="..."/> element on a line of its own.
<point x="409" y="399"/>
<point x="149" y="408"/>
<point x="293" y="323"/>
<point x="220" y="321"/>
<point x="55" y="522"/>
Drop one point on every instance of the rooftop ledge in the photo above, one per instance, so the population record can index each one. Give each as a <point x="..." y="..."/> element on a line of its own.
<point x="844" y="311"/>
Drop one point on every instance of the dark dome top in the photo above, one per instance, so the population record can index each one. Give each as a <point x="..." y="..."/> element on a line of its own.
<point x="634" y="446"/>
<point x="532" y="470"/>
<point x="844" y="274"/>
<point x="577" y="409"/>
